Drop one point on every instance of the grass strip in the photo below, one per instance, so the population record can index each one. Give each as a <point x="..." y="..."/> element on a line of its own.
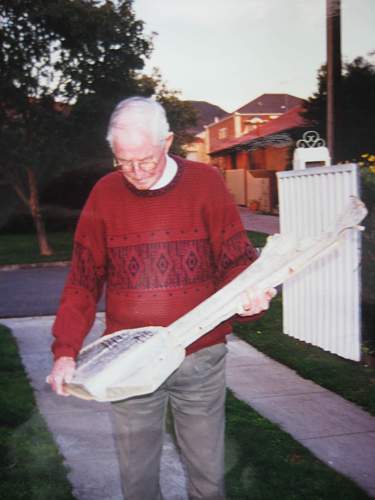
<point x="31" y="466"/>
<point x="24" y="249"/>
<point x="257" y="239"/>
<point x="352" y="380"/>
<point x="265" y="463"/>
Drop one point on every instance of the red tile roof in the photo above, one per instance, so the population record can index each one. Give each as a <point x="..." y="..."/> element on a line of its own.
<point x="271" y="103"/>
<point x="290" y="119"/>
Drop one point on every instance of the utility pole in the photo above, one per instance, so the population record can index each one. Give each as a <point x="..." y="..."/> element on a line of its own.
<point x="333" y="13"/>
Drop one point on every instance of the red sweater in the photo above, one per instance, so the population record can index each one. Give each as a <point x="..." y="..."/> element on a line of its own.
<point x="160" y="252"/>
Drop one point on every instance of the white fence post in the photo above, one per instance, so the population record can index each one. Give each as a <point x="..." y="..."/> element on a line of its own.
<point x="321" y="305"/>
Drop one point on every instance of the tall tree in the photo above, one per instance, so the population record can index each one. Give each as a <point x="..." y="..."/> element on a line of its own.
<point x="357" y="109"/>
<point x="181" y="114"/>
<point x="55" y="50"/>
<point x="32" y="143"/>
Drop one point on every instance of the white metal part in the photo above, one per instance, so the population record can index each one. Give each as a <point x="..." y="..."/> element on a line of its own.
<point x="321" y="306"/>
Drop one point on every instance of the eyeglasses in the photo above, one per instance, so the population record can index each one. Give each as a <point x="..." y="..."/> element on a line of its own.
<point x="129" y="165"/>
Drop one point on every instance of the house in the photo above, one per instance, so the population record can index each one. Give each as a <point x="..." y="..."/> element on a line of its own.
<point x="228" y="126"/>
<point x="247" y="119"/>
<point x="266" y="146"/>
<point x="256" y="141"/>
<point x="250" y="162"/>
<point x="196" y="149"/>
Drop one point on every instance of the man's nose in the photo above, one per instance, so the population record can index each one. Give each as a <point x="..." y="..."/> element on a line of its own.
<point x="137" y="169"/>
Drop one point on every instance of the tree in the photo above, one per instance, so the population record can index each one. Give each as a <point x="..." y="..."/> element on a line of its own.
<point x="356" y="111"/>
<point x="70" y="50"/>
<point x="32" y="143"/>
<point x="181" y="114"/>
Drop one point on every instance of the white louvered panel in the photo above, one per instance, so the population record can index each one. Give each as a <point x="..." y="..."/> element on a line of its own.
<point x="321" y="305"/>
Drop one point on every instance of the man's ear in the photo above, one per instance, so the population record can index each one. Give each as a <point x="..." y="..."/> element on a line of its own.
<point x="168" y="142"/>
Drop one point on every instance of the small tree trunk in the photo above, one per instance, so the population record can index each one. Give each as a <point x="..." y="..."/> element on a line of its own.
<point x="44" y="246"/>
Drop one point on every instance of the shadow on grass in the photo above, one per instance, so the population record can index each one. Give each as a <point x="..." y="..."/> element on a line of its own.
<point x="31" y="466"/>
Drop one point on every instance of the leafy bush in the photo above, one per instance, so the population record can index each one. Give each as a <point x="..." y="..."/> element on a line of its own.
<point x="367" y="175"/>
<point x="61" y="201"/>
<point x="56" y="219"/>
<point x="71" y="188"/>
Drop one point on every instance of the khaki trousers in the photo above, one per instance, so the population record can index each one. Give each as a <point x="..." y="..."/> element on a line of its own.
<point x="196" y="391"/>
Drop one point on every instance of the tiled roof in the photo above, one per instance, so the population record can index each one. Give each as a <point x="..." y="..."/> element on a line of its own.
<point x="290" y="119"/>
<point x="271" y="103"/>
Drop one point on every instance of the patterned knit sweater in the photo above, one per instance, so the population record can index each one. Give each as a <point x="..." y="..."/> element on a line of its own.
<point x="159" y="252"/>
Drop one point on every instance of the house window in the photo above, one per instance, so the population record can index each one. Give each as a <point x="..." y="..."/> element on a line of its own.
<point x="222" y="134"/>
<point x="257" y="120"/>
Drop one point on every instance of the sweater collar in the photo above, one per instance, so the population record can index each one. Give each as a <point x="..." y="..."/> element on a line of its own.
<point x="168" y="174"/>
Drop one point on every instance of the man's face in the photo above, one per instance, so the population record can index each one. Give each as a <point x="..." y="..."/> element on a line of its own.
<point x="140" y="161"/>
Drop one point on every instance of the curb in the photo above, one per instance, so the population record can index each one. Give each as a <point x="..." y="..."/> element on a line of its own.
<point x="64" y="263"/>
<point x="14" y="267"/>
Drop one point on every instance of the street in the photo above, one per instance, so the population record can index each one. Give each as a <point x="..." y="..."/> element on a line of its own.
<point x="32" y="291"/>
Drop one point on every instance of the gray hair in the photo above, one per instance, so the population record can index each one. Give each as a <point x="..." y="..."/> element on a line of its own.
<point x="139" y="112"/>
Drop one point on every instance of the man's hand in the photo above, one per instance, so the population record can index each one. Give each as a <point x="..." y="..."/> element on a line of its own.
<point x="256" y="301"/>
<point x="62" y="372"/>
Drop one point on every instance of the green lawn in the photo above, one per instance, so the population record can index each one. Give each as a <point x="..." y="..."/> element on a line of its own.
<point x="257" y="239"/>
<point x="23" y="248"/>
<point x="30" y="464"/>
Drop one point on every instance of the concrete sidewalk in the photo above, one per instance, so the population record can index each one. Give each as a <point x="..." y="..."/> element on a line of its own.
<point x="338" y="432"/>
<point x="253" y="221"/>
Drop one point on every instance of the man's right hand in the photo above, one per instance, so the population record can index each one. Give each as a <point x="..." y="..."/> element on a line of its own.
<point x="62" y="372"/>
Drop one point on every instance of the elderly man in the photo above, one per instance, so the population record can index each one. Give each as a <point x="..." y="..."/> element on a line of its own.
<point x="164" y="234"/>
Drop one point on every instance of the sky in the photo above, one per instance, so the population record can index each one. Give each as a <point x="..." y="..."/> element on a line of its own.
<point x="228" y="52"/>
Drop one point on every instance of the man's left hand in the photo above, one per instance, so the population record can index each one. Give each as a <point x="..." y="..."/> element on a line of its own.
<point x="255" y="301"/>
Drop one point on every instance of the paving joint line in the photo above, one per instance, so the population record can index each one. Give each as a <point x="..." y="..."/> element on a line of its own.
<point x="268" y="396"/>
<point x="34" y="265"/>
<point x="344" y="434"/>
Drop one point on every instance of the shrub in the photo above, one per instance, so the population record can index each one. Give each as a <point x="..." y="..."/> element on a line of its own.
<point x="367" y="176"/>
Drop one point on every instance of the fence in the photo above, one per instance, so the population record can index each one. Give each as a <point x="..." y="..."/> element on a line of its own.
<point x="246" y="187"/>
<point x="322" y="304"/>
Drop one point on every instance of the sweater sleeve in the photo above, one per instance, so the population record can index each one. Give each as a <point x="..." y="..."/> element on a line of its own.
<point x="83" y="287"/>
<point x="232" y="250"/>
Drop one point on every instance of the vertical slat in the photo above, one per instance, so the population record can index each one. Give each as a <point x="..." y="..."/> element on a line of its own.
<point x="322" y="305"/>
